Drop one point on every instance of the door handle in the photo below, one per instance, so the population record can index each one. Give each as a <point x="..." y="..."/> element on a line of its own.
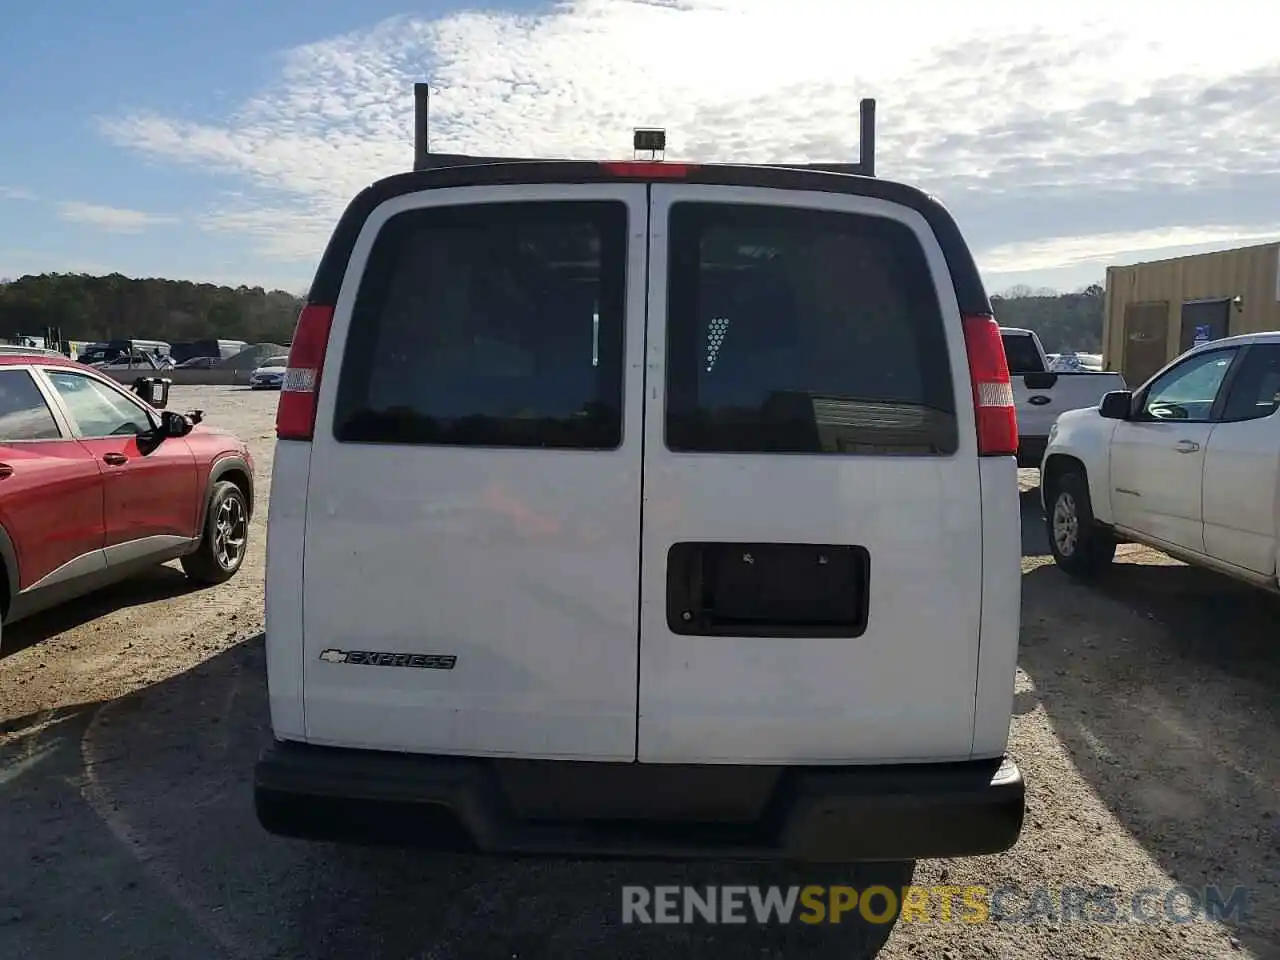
<point x="115" y="459"/>
<point x="1039" y="399"/>
<point x="5" y="471"/>
<point x="1187" y="446"/>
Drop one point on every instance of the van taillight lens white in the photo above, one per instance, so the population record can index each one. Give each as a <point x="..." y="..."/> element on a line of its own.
<point x="296" y="413"/>
<point x="993" y="408"/>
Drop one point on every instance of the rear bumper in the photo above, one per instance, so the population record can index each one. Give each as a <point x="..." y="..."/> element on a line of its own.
<point x="579" y="809"/>
<point x="1031" y="451"/>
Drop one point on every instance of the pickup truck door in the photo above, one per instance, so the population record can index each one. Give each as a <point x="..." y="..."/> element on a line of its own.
<point x="1242" y="466"/>
<point x="1158" y="457"/>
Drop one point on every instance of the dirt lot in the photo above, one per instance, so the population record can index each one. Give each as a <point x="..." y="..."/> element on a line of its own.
<point x="1148" y="714"/>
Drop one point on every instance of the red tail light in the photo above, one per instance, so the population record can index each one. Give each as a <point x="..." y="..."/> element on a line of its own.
<point x="647" y="169"/>
<point x="992" y="389"/>
<point x="296" y="414"/>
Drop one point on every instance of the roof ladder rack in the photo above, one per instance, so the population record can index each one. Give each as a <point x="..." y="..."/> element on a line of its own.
<point x="424" y="159"/>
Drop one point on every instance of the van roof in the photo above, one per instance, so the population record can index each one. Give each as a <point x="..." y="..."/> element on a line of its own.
<point x="970" y="294"/>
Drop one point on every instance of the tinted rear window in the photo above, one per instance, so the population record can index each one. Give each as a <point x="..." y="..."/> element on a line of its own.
<point x="490" y="325"/>
<point x="1020" y="350"/>
<point x="803" y="331"/>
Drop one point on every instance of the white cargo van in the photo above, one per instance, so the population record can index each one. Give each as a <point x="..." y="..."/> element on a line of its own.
<point x="645" y="509"/>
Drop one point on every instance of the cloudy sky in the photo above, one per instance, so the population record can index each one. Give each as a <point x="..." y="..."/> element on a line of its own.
<point x="221" y="142"/>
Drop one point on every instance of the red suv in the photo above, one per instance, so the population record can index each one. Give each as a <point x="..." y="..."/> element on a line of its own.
<point x="96" y="484"/>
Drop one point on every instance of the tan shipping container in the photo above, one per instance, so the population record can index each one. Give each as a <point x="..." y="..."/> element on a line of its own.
<point x="1154" y="311"/>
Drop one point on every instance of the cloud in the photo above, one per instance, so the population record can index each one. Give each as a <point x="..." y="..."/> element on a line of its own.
<point x="1081" y="121"/>
<point x="18" y="262"/>
<point x="288" y="235"/>
<point x="15" y="193"/>
<point x="113" y="219"/>
<point x="1113" y="248"/>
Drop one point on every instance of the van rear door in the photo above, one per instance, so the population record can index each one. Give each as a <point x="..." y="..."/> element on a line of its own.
<point x="812" y="534"/>
<point x="473" y="509"/>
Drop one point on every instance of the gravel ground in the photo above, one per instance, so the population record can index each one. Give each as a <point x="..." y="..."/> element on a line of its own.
<point x="1147" y="719"/>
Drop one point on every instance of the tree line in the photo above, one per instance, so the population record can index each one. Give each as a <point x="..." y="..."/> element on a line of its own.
<point x="1063" y="321"/>
<point x="91" y="308"/>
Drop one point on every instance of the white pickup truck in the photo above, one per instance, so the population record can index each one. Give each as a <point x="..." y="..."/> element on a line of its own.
<point x="1188" y="464"/>
<point x="1041" y="394"/>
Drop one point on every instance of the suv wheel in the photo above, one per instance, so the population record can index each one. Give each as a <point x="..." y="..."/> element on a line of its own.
<point x="1079" y="545"/>
<point x="226" y="537"/>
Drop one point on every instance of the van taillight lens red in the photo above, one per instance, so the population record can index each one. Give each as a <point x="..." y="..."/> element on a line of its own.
<point x="296" y="413"/>
<point x="993" y="408"/>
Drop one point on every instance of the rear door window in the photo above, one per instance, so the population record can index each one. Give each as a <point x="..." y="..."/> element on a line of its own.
<point x="24" y="415"/>
<point x="1255" y="392"/>
<point x="803" y="331"/>
<point x="493" y="325"/>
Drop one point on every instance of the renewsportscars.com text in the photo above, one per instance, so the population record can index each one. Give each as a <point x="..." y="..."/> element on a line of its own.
<point x="816" y="904"/>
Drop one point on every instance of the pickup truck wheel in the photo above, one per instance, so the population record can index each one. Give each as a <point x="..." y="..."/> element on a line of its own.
<point x="226" y="536"/>
<point x="1079" y="545"/>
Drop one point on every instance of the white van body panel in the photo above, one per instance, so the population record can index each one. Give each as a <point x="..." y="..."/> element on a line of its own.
<point x="285" y="606"/>
<point x="522" y="563"/>
<point x="904" y="690"/>
<point x="1001" y="604"/>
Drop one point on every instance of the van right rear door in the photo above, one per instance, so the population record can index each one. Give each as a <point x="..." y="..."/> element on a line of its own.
<point x="811" y="572"/>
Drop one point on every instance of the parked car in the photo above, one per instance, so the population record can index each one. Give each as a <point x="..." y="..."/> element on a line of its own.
<point x="1072" y="362"/>
<point x="97" y="484"/>
<point x="645" y="509"/>
<point x="127" y="351"/>
<point x="1041" y="394"/>
<point x="1186" y="464"/>
<point x="198" y="363"/>
<point x="133" y="360"/>
<point x="184" y="350"/>
<point x="270" y="374"/>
